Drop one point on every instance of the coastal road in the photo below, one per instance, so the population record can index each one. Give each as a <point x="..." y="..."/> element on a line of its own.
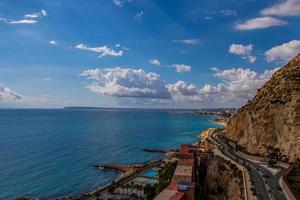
<point x="266" y="184"/>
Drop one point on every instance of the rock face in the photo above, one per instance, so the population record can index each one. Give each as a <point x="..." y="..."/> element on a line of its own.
<point x="272" y="117"/>
<point x="223" y="178"/>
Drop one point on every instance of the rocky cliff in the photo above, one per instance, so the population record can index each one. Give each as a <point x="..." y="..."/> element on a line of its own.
<point x="223" y="179"/>
<point x="272" y="117"/>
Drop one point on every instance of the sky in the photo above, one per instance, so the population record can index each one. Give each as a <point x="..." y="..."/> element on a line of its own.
<point x="142" y="53"/>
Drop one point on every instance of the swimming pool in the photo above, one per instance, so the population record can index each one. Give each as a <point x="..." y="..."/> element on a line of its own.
<point x="150" y="174"/>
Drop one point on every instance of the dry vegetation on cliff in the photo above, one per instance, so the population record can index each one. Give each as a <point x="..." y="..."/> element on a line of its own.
<point x="223" y="179"/>
<point x="293" y="178"/>
<point x="272" y="117"/>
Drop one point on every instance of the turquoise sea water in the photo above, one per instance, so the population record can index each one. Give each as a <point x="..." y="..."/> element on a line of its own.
<point x="50" y="153"/>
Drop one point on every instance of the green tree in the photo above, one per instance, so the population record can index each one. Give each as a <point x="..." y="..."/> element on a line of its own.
<point x="149" y="191"/>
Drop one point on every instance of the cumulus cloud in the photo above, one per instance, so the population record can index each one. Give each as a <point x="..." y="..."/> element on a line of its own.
<point x="155" y="62"/>
<point x="138" y="15"/>
<point x="237" y="83"/>
<point x="182" y="91"/>
<point x="244" y="51"/>
<point x="126" y="82"/>
<point x="181" y="68"/>
<point x="31" y="18"/>
<point x="259" y="23"/>
<point x="191" y="41"/>
<point x="104" y="50"/>
<point x="284" y="8"/>
<point x="236" y="86"/>
<point x="283" y="52"/>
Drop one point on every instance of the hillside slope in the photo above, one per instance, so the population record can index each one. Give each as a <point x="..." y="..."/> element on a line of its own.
<point x="272" y="117"/>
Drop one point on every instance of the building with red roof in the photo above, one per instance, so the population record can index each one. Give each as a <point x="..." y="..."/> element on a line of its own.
<point x="182" y="186"/>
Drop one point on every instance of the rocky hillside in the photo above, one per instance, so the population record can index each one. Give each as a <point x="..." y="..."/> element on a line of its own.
<point x="272" y="117"/>
<point x="223" y="178"/>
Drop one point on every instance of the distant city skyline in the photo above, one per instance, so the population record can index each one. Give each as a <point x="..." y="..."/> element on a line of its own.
<point x="141" y="53"/>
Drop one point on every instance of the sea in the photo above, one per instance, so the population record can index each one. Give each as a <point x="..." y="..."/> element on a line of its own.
<point x="50" y="153"/>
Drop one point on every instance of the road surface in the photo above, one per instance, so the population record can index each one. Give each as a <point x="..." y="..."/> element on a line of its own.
<point x="266" y="184"/>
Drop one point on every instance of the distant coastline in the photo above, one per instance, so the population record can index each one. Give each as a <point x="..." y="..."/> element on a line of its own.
<point x="221" y="112"/>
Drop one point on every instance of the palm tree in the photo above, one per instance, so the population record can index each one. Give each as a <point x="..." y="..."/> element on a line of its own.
<point x="132" y="184"/>
<point x="142" y="191"/>
<point x="124" y="190"/>
<point x="120" y="189"/>
<point x="139" y="187"/>
<point x="127" y="187"/>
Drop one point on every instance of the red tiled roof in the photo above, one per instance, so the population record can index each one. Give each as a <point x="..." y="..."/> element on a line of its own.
<point x="183" y="172"/>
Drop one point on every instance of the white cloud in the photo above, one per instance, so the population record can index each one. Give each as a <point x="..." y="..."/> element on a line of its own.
<point x="182" y="91"/>
<point x="155" y="62"/>
<point x="10" y="98"/>
<point x="126" y="82"/>
<point x="33" y="15"/>
<point x="284" y="8"/>
<point x="7" y="94"/>
<point x="220" y="13"/>
<point x="180" y="68"/>
<point x="240" y="80"/>
<point x="44" y="12"/>
<point x="229" y="12"/>
<point x="104" y="50"/>
<point x="259" y="23"/>
<point x="191" y="41"/>
<point x="244" y="51"/>
<point x="23" y="21"/>
<point x="283" y="52"/>
<point x="31" y="18"/>
<point x="53" y="42"/>
<point x="36" y="15"/>
<point x="123" y="47"/>
<point x="236" y="86"/>
<point x="138" y="15"/>
<point x="120" y="2"/>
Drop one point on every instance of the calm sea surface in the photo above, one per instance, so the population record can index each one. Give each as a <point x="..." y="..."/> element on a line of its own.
<point x="50" y="153"/>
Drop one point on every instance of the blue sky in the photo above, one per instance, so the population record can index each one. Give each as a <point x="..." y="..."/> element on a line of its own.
<point x="142" y="53"/>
